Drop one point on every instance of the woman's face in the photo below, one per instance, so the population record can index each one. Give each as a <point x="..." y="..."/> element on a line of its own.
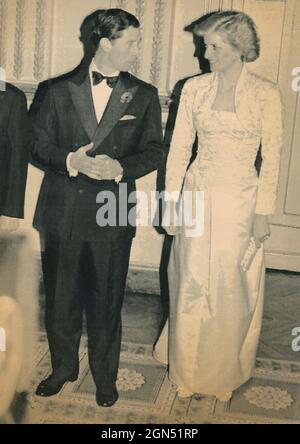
<point x="221" y="55"/>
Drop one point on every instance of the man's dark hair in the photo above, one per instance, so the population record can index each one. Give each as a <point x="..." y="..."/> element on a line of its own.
<point x="88" y="25"/>
<point x="86" y="30"/>
<point x="110" y="23"/>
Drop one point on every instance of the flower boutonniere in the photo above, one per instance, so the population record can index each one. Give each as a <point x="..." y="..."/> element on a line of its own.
<point x="126" y="97"/>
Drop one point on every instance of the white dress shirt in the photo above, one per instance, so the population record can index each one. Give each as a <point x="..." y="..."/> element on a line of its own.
<point x="101" y="94"/>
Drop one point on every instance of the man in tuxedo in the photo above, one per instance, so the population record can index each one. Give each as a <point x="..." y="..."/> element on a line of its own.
<point x="14" y="125"/>
<point x="95" y="130"/>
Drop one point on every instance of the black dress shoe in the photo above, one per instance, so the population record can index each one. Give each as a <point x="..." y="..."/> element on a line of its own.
<point x="107" y="398"/>
<point x="53" y="384"/>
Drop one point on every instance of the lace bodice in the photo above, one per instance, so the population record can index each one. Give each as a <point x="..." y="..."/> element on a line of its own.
<point x="229" y="142"/>
<point x="226" y="152"/>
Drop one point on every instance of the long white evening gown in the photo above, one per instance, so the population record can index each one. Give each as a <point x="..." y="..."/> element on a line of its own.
<point x="211" y="339"/>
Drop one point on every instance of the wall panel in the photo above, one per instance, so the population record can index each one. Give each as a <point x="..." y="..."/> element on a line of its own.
<point x="39" y="39"/>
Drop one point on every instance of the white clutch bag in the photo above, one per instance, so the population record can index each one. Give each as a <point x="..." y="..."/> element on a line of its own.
<point x="249" y="255"/>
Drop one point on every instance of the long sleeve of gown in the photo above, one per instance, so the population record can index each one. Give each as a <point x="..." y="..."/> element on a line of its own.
<point x="272" y="129"/>
<point x="182" y="143"/>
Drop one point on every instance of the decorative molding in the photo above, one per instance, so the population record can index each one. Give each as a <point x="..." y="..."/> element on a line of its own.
<point x="140" y="13"/>
<point x="208" y="6"/>
<point x="29" y="89"/>
<point x="155" y="69"/>
<point x="19" y="38"/>
<point x="165" y="101"/>
<point x="39" y="51"/>
<point x="121" y="4"/>
<point x="3" y="6"/>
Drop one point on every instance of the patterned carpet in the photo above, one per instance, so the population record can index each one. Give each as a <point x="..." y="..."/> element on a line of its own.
<point x="271" y="396"/>
<point x="148" y="397"/>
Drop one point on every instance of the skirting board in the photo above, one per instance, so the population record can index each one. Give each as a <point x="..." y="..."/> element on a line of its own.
<point x="140" y="279"/>
<point x="145" y="279"/>
<point x="281" y="261"/>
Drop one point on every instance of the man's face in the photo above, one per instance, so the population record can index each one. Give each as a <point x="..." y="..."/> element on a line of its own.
<point x="124" y="50"/>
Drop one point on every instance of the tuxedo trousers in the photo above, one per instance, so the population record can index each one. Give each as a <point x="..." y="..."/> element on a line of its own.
<point x="85" y="276"/>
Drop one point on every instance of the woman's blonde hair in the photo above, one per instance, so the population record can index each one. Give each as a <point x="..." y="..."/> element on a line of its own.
<point x="238" y="29"/>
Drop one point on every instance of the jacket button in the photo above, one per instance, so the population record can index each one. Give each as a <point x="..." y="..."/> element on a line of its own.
<point x="115" y="148"/>
<point x="80" y="191"/>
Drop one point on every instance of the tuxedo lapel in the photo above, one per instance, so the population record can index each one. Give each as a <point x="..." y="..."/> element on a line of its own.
<point x="120" y="99"/>
<point x="82" y="98"/>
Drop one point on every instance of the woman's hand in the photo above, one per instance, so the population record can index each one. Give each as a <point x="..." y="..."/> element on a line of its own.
<point x="261" y="229"/>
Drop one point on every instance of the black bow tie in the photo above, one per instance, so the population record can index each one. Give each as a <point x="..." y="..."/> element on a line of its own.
<point x="98" y="78"/>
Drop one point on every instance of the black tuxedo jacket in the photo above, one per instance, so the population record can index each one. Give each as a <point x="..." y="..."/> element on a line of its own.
<point x="14" y="130"/>
<point x="66" y="121"/>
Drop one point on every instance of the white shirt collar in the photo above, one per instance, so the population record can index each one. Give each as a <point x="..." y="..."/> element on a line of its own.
<point x="93" y="67"/>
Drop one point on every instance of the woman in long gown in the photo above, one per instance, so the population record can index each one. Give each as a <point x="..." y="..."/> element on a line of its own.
<point x="210" y="341"/>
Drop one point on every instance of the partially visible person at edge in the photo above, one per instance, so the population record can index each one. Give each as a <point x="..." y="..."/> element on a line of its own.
<point x="14" y="138"/>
